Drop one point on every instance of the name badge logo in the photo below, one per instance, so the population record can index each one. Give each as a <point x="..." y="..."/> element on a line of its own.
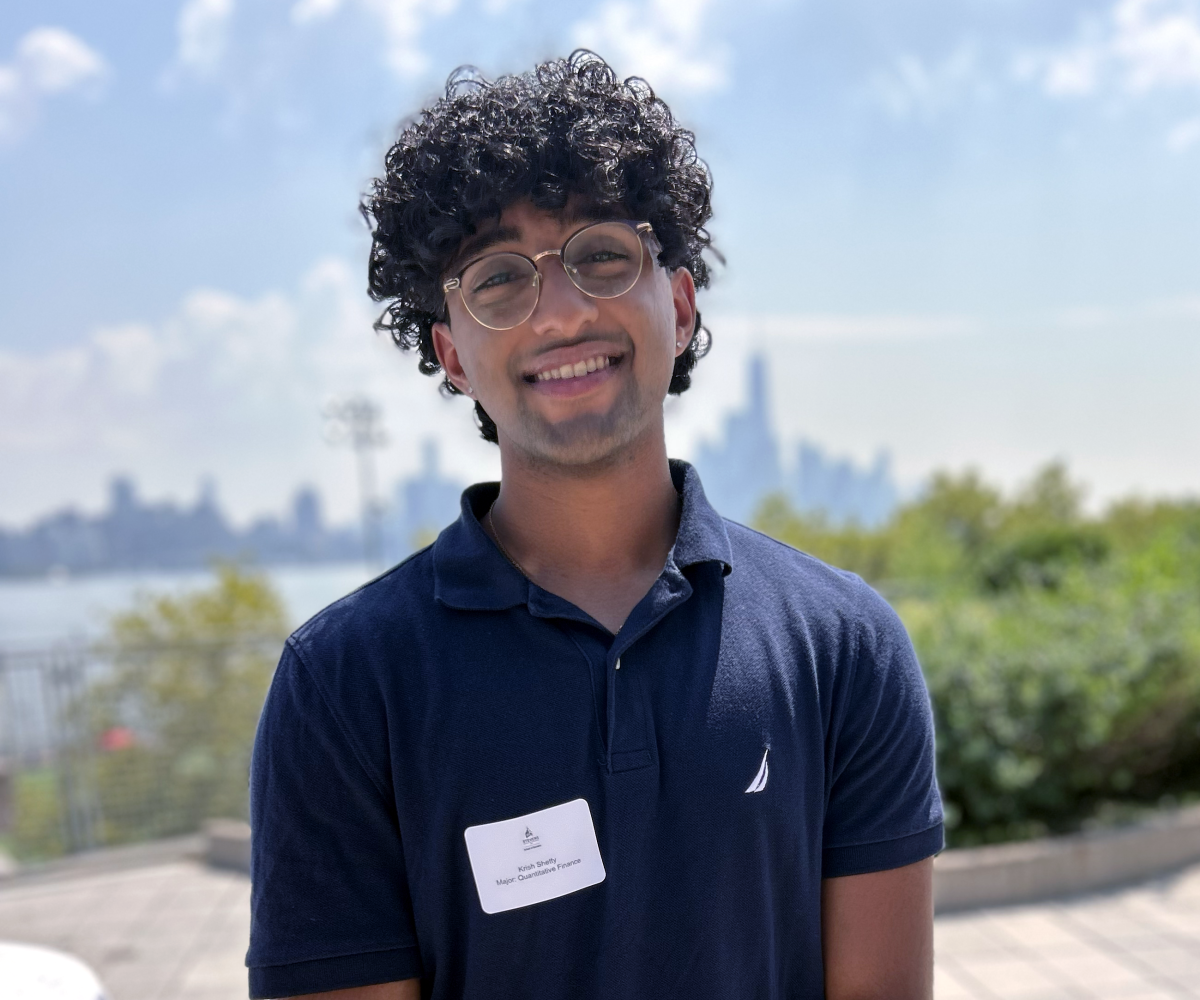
<point x="531" y="859"/>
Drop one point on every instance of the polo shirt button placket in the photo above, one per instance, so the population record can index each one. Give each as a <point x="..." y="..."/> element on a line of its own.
<point x="611" y="714"/>
<point x="627" y="737"/>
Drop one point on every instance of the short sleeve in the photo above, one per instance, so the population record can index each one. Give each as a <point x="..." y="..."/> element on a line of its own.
<point x="883" y="808"/>
<point x="329" y="904"/>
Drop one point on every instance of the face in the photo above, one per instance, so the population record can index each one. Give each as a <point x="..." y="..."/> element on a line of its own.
<point x="582" y="379"/>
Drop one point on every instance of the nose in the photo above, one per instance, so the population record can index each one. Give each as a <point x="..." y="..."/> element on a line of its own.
<point x="562" y="309"/>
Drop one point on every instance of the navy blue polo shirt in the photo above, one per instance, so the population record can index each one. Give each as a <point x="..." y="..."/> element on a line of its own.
<point x="758" y="724"/>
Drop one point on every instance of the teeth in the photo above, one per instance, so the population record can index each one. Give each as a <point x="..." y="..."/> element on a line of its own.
<point x="576" y="370"/>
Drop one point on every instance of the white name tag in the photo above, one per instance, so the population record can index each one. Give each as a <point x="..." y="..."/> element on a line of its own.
<point x="530" y="859"/>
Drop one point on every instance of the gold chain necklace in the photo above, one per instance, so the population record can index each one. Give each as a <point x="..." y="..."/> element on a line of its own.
<point x="507" y="555"/>
<point x="521" y="569"/>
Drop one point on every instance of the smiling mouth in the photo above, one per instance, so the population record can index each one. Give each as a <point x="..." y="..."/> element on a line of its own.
<point x="577" y="370"/>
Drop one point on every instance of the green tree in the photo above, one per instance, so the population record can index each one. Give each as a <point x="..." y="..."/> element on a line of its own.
<point x="851" y="547"/>
<point x="1051" y="706"/>
<point x="1062" y="651"/>
<point x="176" y="720"/>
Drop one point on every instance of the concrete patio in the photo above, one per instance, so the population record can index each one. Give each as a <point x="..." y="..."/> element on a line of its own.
<point x="174" y="929"/>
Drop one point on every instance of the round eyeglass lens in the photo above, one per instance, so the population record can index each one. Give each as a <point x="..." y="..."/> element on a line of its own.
<point x="604" y="260"/>
<point x="501" y="290"/>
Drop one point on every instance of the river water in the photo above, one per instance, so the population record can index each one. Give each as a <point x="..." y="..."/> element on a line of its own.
<point x="44" y="612"/>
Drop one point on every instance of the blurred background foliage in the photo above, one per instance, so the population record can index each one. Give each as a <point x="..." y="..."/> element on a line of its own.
<point x="177" y="718"/>
<point x="163" y="738"/>
<point x="1061" y="650"/>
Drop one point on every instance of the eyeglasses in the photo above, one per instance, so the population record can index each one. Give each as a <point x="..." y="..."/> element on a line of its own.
<point x="603" y="260"/>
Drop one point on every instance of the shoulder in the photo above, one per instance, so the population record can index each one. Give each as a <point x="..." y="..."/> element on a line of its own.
<point x="377" y="613"/>
<point x="339" y="669"/>
<point x="778" y="579"/>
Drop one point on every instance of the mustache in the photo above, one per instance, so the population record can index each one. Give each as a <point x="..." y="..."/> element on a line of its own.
<point x="617" y="339"/>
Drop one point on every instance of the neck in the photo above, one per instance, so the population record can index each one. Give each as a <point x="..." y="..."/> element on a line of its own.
<point x="596" y="535"/>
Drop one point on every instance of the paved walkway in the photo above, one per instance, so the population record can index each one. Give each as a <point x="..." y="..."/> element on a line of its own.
<point x="1137" y="944"/>
<point x="177" y="931"/>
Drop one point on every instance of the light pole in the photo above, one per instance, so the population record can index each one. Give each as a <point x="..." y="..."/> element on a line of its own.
<point x="357" y="421"/>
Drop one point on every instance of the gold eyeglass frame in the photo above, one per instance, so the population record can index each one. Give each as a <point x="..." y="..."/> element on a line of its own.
<point x="640" y="228"/>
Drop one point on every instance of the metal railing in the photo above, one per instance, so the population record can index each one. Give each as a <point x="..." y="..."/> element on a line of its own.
<point x="102" y="745"/>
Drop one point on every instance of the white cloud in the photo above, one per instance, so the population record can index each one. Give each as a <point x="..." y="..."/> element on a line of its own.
<point x="1184" y="135"/>
<point x="1082" y="318"/>
<point x="55" y="61"/>
<point x="402" y="22"/>
<point x="1074" y="72"/>
<point x="48" y="62"/>
<point x="203" y="29"/>
<point x="1158" y="43"/>
<point x="313" y="10"/>
<point x="912" y="88"/>
<point x="1184" y="308"/>
<point x="846" y="328"/>
<point x="227" y="386"/>
<point x="1138" y="47"/>
<point x="664" y="41"/>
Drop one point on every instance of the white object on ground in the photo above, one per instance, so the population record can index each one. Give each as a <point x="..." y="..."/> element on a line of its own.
<point x="29" y="972"/>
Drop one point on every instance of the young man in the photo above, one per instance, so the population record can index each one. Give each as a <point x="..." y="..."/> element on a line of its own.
<point x="595" y="741"/>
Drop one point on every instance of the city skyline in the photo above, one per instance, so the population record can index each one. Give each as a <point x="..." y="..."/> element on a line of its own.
<point x="741" y="466"/>
<point x="961" y="231"/>
<point x="745" y="463"/>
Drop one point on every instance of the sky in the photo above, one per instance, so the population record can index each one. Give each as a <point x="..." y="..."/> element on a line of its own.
<point x="967" y="231"/>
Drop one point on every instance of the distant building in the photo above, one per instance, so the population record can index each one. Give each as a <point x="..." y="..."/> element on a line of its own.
<point x="303" y="537"/>
<point x="742" y="468"/>
<point x="841" y="492"/>
<point x="422" y="506"/>
<point x="133" y="535"/>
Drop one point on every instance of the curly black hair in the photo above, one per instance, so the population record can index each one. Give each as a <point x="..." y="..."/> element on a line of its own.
<point x="570" y="128"/>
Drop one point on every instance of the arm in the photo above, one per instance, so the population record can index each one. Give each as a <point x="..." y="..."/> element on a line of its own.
<point x="409" y="989"/>
<point x="877" y="934"/>
<point x="329" y="902"/>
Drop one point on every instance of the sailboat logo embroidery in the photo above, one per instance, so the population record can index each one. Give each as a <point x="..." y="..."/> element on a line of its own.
<point x="760" y="779"/>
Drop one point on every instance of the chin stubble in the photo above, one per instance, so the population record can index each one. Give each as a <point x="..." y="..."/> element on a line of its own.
<point x="586" y="439"/>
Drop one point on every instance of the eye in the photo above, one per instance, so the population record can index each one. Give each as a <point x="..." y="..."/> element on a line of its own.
<point x="604" y="257"/>
<point x="494" y="280"/>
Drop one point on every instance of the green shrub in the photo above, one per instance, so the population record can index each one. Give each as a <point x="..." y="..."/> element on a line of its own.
<point x="1062" y="652"/>
<point x="1049" y="708"/>
<point x="190" y="677"/>
<point x="37" y="833"/>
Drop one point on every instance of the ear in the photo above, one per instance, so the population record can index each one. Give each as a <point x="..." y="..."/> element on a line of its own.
<point x="683" y="294"/>
<point x="447" y="355"/>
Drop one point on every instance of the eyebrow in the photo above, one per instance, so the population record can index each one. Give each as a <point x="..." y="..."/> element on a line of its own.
<point x="474" y="246"/>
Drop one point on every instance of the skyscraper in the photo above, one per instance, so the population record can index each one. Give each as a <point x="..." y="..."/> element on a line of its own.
<point x="743" y="467"/>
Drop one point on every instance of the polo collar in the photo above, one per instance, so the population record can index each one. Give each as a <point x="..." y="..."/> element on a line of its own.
<point x="472" y="574"/>
<point x="702" y="536"/>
